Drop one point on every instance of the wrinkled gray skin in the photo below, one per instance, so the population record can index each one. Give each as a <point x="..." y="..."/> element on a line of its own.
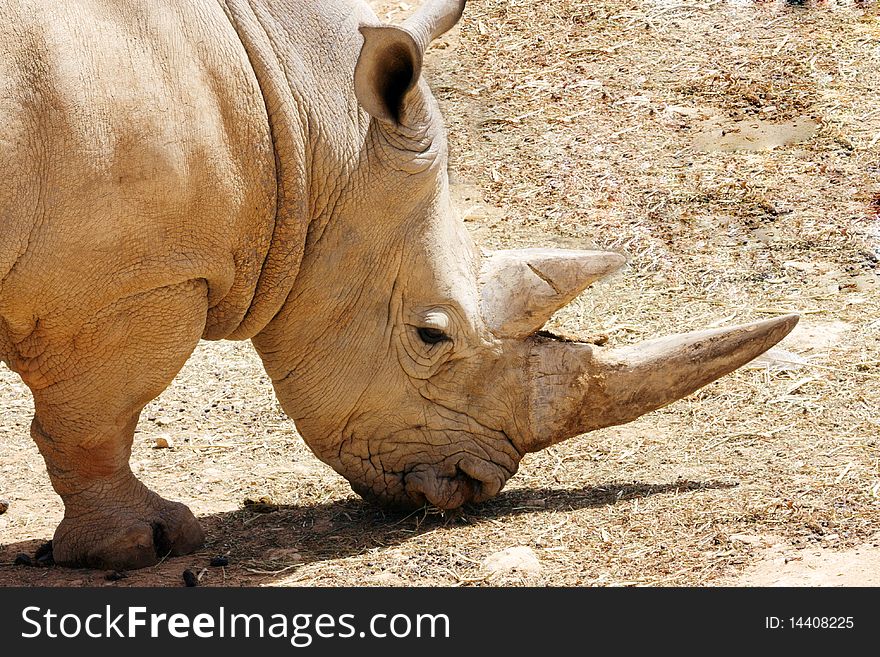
<point x="263" y="169"/>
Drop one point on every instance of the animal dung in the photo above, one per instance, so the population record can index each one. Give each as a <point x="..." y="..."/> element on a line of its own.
<point x="219" y="562"/>
<point x="44" y="555"/>
<point x="23" y="560"/>
<point x="189" y="578"/>
<point x="115" y="575"/>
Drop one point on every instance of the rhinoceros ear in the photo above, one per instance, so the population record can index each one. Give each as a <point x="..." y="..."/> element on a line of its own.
<point x="390" y="62"/>
<point x="387" y="69"/>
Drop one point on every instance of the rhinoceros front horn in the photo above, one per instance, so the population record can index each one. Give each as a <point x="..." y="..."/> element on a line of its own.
<point x="576" y="387"/>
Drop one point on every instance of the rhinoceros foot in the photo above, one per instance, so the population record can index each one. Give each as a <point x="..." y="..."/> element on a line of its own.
<point x="121" y="536"/>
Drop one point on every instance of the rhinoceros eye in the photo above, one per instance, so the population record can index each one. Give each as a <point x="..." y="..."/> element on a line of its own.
<point x="431" y="335"/>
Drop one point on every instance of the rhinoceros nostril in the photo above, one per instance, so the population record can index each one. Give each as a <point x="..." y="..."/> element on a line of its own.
<point x="486" y="478"/>
<point x="470" y="485"/>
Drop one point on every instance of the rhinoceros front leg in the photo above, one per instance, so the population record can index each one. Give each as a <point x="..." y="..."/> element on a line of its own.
<point x="89" y="390"/>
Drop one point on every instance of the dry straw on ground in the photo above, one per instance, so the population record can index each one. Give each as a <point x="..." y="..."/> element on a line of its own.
<point x="572" y="123"/>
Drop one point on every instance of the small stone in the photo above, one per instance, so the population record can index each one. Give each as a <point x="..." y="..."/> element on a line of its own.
<point x="164" y="442"/>
<point x="115" y="575"/>
<point x="219" y="562"/>
<point x="520" y="559"/>
<point x="164" y="420"/>
<point x="4" y="506"/>
<point x="23" y="560"/>
<point x="189" y="578"/>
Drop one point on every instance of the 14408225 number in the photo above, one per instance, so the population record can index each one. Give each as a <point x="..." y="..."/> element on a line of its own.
<point x="821" y="622"/>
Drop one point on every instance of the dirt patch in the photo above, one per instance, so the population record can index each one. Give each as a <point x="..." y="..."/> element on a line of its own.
<point x="753" y="135"/>
<point x="780" y="565"/>
<point x="817" y="336"/>
<point x="570" y="124"/>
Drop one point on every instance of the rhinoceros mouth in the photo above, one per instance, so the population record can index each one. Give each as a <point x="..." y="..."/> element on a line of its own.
<point x="470" y="481"/>
<point x="445" y="486"/>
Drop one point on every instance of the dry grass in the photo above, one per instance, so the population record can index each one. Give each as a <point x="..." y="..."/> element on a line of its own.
<point x="571" y="123"/>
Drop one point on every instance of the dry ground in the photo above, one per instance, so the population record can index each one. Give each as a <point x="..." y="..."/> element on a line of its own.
<point x="573" y="123"/>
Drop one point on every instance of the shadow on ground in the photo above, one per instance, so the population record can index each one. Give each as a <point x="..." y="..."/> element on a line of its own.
<point x="265" y="546"/>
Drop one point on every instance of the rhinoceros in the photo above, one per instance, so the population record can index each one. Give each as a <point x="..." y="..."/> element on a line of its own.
<point x="277" y="171"/>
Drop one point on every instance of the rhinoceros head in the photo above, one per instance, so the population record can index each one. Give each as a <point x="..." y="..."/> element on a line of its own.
<point x="411" y="362"/>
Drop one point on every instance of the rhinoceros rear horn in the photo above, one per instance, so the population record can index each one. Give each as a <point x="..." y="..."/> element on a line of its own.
<point x="522" y="288"/>
<point x="390" y="62"/>
<point x="434" y="18"/>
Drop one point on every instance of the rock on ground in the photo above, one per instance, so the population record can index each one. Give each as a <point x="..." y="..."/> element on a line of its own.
<point x="521" y="559"/>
